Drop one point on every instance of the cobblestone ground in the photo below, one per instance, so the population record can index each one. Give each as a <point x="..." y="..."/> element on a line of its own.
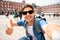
<point x="19" y="31"/>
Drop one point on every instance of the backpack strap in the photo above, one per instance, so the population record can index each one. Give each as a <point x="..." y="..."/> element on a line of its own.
<point x="39" y="30"/>
<point x="36" y="24"/>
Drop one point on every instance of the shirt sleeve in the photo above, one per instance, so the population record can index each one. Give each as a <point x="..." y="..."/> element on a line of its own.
<point x="20" y="23"/>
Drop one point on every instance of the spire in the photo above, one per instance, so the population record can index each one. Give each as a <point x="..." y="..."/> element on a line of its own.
<point x="23" y="3"/>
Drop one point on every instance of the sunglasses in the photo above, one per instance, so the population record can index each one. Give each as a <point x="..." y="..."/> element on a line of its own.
<point x="25" y="12"/>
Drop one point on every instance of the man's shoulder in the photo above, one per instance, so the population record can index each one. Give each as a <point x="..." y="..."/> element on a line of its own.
<point x="21" y="22"/>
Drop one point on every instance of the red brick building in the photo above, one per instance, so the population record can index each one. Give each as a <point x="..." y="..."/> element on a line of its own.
<point x="11" y="6"/>
<point x="51" y="8"/>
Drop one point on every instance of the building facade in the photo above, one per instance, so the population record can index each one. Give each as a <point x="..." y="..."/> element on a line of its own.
<point x="51" y="8"/>
<point x="11" y="6"/>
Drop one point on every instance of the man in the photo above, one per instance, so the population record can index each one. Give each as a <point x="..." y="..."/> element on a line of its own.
<point x="30" y="22"/>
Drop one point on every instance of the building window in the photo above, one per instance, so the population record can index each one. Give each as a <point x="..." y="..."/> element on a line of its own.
<point x="8" y="3"/>
<point x="13" y="6"/>
<point x="2" y="8"/>
<point x="5" y="5"/>
<point x="13" y="3"/>
<point x="2" y="2"/>
<point x="8" y="6"/>
<point x="2" y="5"/>
<point x="5" y="2"/>
<point x="18" y="7"/>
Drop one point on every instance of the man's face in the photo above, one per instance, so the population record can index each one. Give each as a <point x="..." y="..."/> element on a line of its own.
<point x="28" y="14"/>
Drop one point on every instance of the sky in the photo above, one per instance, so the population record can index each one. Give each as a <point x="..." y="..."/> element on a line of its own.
<point x="39" y="2"/>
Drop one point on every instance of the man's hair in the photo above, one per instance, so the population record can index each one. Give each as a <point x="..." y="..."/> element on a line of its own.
<point x="27" y="6"/>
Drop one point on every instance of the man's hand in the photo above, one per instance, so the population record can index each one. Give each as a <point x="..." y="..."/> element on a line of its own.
<point x="11" y="23"/>
<point x="9" y="31"/>
<point x="9" y="28"/>
<point x="50" y="28"/>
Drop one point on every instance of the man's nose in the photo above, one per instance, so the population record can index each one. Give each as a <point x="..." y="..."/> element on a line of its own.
<point x="27" y="13"/>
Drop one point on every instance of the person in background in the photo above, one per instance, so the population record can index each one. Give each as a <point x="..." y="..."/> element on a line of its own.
<point x="15" y="13"/>
<point x="20" y="15"/>
<point x="7" y="14"/>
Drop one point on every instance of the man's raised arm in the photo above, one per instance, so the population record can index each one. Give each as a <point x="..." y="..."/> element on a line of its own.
<point x="9" y="30"/>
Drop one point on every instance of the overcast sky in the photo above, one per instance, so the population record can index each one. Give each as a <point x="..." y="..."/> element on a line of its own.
<point x="39" y="2"/>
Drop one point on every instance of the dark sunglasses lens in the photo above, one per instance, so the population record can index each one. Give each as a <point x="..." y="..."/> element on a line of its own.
<point x="24" y="13"/>
<point x="30" y="12"/>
